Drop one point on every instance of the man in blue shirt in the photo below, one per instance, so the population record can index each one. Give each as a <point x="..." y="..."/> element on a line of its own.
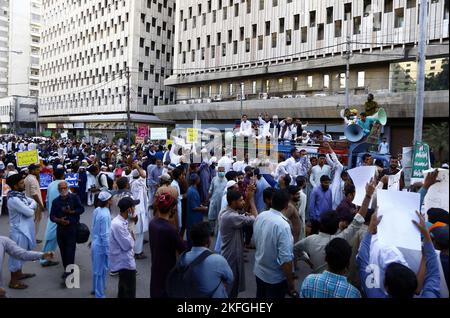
<point x="399" y="280"/>
<point x="121" y="251"/>
<point x="65" y="212"/>
<point x="332" y="283"/>
<point x="320" y="201"/>
<point x="213" y="274"/>
<point x="195" y="210"/>
<point x="274" y="251"/>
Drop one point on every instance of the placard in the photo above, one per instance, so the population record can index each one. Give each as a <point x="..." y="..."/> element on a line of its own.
<point x="45" y="179"/>
<point x="72" y="180"/>
<point x="26" y="158"/>
<point x="158" y="133"/>
<point x="420" y="161"/>
<point x="192" y="135"/>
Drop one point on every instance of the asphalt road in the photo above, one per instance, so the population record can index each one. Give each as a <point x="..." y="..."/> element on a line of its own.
<point x="47" y="283"/>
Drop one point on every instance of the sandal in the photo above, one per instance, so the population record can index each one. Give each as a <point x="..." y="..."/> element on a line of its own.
<point x="17" y="285"/>
<point x="26" y="276"/>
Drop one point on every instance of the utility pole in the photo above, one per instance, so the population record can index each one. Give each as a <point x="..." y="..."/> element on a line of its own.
<point x="242" y="102"/>
<point x="421" y="59"/>
<point x="347" y="74"/>
<point x="128" y="108"/>
<point x="37" y="117"/>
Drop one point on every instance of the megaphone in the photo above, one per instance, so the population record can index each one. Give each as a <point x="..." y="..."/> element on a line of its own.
<point x="354" y="133"/>
<point x="380" y="116"/>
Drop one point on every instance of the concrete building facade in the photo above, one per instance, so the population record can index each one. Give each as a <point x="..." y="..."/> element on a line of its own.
<point x="91" y="49"/>
<point x="288" y="58"/>
<point x="20" y="38"/>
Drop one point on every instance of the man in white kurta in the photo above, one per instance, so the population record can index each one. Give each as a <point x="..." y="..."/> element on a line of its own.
<point x="139" y="191"/>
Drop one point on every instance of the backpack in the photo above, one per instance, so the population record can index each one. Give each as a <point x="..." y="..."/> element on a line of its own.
<point x="108" y="179"/>
<point x="181" y="281"/>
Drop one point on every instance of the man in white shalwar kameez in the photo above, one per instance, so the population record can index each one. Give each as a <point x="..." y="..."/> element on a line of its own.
<point x="139" y="191"/>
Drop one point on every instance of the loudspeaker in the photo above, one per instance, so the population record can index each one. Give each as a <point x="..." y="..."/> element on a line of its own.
<point x="380" y="116"/>
<point x="354" y="133"/>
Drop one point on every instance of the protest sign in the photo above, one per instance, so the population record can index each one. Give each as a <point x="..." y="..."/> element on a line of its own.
<point x="394" y="182"/>
<point x="420" y="161"/>
<point x="361" y="176"/>
<point x="142" y="133"/>
<point x="158" y="133"/>
<point x="437" y="195"/>
<point x="26" y="158"/>
<point x="72" y="180"/>
<point x="398" y="209"/>
<point x="192" y="135"/>
<point x="45" y="179"/>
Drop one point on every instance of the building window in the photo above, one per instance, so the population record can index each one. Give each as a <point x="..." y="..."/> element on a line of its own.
<point x="342" y="80"/>
<point x="347" y="11"/>
<point x="254" y="88"/>
<point x="260" y="42"/>
<point x="367" y="7"/>
<point x="388" y="5"/>
<point x="304" y="34"/>
<point x="357" y="25"/>
<point x="281" y="28"/>
<point x="377" y="21"/>
<point x="312" y="19"/>
<point x="320" y="32"/>
<point x="288" y="37"/>
<point x="274" y="40"/>
<point x="329" y="15"/>
<point x="294" y="84"/>
<point x="337" y="28"/>
<point x="326" y="81"/>
<point x="297" y="22"/>
<point x="309" y="81"/>
<point x="361" y="77"/>
<point x="399" y="18"/>
<point x="410" y="4"/>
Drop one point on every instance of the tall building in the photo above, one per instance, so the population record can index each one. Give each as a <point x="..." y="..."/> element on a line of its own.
<point x="89" y="49"/>
<point x="288" y="58"/>
<point x="20" y="37"/>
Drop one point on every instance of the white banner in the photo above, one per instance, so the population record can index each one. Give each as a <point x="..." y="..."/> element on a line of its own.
<point x="437" y="195"/>
<point x="398" y="209"/>
<point x="158" y="133"/>
<point x="360" y="177"/>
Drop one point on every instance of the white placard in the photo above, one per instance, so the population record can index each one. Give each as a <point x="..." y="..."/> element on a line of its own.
<point x="398" y="209"/>
<point x="361" y="176"/>
<point x="437" y="195"/>
<point x="158" y="133"/>
<point x="394" y="181"/>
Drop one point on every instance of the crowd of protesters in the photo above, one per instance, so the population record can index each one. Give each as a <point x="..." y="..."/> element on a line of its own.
<point x="208" y="216"/>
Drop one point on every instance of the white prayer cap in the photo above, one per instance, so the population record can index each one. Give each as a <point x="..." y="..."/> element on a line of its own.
<point x="2" y="165"/>
<point x="104" y="196"/>
<point x="390" y="254"/>
<point x="212" y="160"/>
<point x="60" y="167"/>
<point x="230" y="184"/>
<point x="135" y="173"/>
<point x="10" y="164"/>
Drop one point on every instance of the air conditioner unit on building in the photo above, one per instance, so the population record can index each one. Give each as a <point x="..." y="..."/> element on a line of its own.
<point x="207" y="100"/>
<point x="288" y="96"/>
<point x="263" y="96"/>
<point x="274" y="97"/>
<point x="191" y="101"/>
<point x="300" y="96"/>
<point x="198" y="101"/>
<point x="218" y="98"/>
<point x="320" y="95"/>
<point x="238" y="97"/>
<point x="183" y="102"/>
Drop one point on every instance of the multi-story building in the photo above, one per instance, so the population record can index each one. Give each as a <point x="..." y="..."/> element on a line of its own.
<point x="289" y="58"/>
<point x="20" y="33"/>
<point x="91" y="50"/>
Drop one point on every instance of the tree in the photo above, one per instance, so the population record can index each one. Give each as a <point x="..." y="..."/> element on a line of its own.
<point x="436" y="136"/>
<point x="439" y="81"/>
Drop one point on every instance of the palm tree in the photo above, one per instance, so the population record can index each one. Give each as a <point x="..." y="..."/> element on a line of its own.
<point x="436" y="136"/>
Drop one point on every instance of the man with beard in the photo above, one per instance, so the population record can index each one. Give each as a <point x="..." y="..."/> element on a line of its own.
<point x="33" y="190"/>
<point x="320" y="201"/>
<point x="66" y="211"/>
<point x="21" y="213"/>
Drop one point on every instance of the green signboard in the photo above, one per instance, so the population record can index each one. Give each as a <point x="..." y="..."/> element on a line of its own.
<point x="420" y="161"/>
